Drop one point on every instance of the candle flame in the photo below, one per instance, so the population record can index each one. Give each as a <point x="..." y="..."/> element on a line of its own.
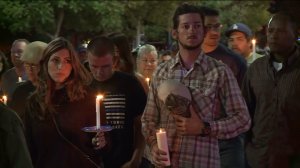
<point x="161" y="130"/>
<point x="253" y="41"/>
<point x="4" y="99"/>
<point x="99" y="97"/>
<point x="147" y="79"/>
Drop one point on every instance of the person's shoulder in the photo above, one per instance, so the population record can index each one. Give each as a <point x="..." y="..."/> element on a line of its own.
<point x="8" y="73"/>
<point x="123" y="76"/>
<point x="7" y="118"/>
<point x="23" y="91"/>
<point x="258" y="55"/>
<point x="212" y="62"/>
<point x="259" y="64"/>
<point x="231" y="54"/>
<point x="164" y="67"/>
<point x="216" y="66"/>
<point x="25" y="86"/>
<point x="260" y="60"/>
<point x="139" y="77"/>
<point x="126" y="79"/>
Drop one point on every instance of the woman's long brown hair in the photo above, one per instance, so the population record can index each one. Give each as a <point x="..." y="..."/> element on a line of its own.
<point x="41" y="101"/>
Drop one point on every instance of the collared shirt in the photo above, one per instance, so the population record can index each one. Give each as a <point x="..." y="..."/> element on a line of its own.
<point x="252" y="57"/>
<point x="273" y="99"/>
<point x="214" y="88"/>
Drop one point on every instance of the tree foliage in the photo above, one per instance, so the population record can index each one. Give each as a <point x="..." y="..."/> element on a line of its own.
<point x="60" y="17"/>
<point x="50" y="17"/>
<point x="252" y="13"/>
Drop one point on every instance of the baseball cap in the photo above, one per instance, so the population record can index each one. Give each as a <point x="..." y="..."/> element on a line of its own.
<point x="33" y="52"/>
<point x="240" y="27"/>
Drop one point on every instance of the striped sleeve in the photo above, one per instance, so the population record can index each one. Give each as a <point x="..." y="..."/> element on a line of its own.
<point x="237" y="118"/>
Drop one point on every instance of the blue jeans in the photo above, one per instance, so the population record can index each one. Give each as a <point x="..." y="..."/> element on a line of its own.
<point x="232" y="152"/>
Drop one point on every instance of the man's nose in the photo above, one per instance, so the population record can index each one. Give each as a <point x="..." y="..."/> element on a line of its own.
<point x="98" y="71"/>
<point x="17" y="55"/>
<point x="148" y="63"/>
<point x="234" y="43"/>
<point x="191" y="29"/>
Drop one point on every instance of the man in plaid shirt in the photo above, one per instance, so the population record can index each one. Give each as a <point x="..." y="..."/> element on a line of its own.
<point x="193" y="141"/>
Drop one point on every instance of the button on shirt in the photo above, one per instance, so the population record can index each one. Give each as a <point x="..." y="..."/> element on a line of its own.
<point x="215" y="92"/>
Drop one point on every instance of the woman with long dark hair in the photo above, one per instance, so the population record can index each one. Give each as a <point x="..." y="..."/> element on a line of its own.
<point x="59" y="108"/>
<point x="123" y="60"/>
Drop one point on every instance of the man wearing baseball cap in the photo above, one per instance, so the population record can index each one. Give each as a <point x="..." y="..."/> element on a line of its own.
<point x="239" y="40"/>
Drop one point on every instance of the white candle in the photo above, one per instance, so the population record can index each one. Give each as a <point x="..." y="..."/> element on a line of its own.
<point x="4" y="99"/>
<point x="162" y="143"/>
<point x="253" y="47"/>
<point x="148" y="81"/>
<point x="85" y="45"/>
<point x="19" y="79"/>
<point x="98" y="102"/>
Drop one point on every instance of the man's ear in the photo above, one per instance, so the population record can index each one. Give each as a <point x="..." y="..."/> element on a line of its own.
<point x="174" y="34"/>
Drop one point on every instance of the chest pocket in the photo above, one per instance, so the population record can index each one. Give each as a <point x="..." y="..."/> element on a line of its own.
<point x="204" y="93"/>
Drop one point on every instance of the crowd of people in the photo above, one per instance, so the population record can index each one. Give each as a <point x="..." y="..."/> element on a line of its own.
<point x="220" y="105"/>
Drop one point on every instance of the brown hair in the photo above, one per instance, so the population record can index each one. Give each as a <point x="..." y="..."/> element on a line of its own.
<point x="76" y="83"/>
<point x="126" y="59"/>
<point x="100" y="46"/>
<point x="186" y="8"/>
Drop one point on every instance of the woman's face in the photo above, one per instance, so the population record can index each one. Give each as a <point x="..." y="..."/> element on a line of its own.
<point x="60" y="67"/>
<point x="32" y="71"/>
<point x="147" y="63"/>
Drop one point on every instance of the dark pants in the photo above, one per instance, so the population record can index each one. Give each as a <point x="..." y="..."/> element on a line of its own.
<point x="232" y="152"/>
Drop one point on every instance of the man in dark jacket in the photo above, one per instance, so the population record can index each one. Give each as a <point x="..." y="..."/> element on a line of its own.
<point x="13" y="149"/>
<point x="272" y="92"/>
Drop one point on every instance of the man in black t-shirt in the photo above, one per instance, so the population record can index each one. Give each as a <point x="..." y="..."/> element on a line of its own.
<point x="213" y="48"/>
<point x="123" y="103"/>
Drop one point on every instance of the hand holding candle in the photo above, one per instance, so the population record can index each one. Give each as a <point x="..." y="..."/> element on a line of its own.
<point x="162" y="143"/>
<point x="98" y="112"/>
<point x="148" y="81"/>
<point x="98" y="128"/>
<point x="19" y="79"/>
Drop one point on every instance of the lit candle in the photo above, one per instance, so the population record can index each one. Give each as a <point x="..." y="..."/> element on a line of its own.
<point x="253" y="47"/>
<point x="84" y="45"/>
<point x="4" y="99"/>
<point x="19" y="79"/>
<point x="162" y="143"/>
<point x="148" y="81"/>
<point x="98" y="102"/>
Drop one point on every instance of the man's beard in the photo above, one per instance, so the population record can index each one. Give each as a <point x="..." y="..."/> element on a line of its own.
<point x="190" y="47"/>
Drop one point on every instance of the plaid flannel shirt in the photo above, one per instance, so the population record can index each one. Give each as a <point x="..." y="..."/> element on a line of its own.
<point x="215" y="92"/>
